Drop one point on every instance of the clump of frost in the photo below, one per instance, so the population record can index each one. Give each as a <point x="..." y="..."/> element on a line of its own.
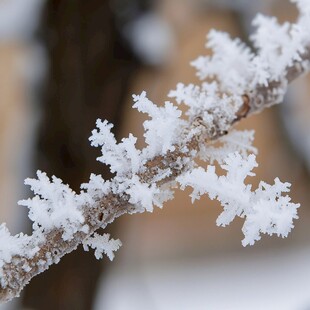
<point x="122" y="157"/>
<point x="208" y="102"/>
<point x="239" y="70"/>
<point x="54" y="205"/>
<point x="271" y="213"/>
<point x="229" y="63"/>
<point x="265" y="210"/>
<point x="10" y="245"/>
<point x="197" y="98"/>
<point x="96" y="188"/>
<point x="143" y="194"/>
<point x="278" y="47"/>
<point x="102" y="244"/>
<point x="164" y="127"/>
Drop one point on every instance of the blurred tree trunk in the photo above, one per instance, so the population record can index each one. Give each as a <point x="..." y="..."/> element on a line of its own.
<point x="89" y="73"/>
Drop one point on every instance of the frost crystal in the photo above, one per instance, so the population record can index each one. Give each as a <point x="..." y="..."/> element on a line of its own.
<point x="278" y="46"/>
<point x="142" y="194"/>
<point x="97" y="187"/>
<point x="10" y="245"/>
<point x="208" y="102"/>
<point x="239" y="70"/>
<point x="265" y="210"/>
<point x="227" y="53"/>
<point x="102" y="245"/>
<point x="164" y="127"/>
<point x="122" y="157"/>
<point x="54" y="205"/>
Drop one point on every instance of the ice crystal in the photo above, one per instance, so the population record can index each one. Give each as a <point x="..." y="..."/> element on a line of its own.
<point x="265" y="210"/>
<point x="102" y="244"/>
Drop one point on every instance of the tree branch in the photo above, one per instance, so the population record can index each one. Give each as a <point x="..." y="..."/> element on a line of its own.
<point x="49" y="246"/>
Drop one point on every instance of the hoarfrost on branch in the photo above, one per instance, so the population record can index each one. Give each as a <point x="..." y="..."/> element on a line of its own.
<point x="236" y="82"/>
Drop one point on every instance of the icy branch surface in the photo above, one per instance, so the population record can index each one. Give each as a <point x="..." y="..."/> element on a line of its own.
<point x="236" y="82"/>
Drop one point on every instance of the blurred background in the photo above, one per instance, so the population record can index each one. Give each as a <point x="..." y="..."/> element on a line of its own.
<point x="65" y="63"/>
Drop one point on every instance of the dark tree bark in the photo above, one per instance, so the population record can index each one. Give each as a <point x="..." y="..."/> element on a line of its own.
<point x="89" y="73"/>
